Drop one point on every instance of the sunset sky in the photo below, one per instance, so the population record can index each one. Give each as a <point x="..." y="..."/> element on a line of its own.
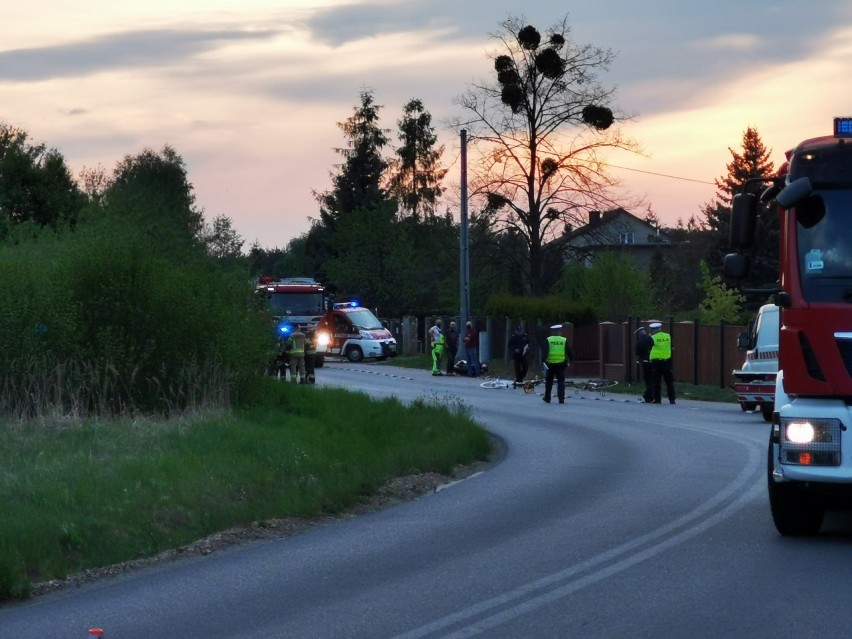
<point x="249" y="92"/>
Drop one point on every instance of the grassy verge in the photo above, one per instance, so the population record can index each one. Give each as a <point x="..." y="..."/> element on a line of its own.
<point x="90" y="494"/>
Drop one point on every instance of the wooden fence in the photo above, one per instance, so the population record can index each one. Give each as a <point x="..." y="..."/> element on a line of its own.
<point x="702" y="354"/>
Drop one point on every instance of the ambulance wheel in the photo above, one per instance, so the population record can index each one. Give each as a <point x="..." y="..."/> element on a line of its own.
<point x="319" y="360"/>
<point x="355" y="354"/>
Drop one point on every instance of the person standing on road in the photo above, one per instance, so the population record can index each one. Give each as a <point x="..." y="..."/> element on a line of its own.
<point x="310" y="352"/>
<point x="451" y="347"/>
<point x="471" y="345"/>
<point x="436" y="339"/>
<point x="296" y="350"/>
<point x="661" y="363"/>
<point x="519" y="345"/>
<point x="557" y="356"/>
<point x="644" y="344"/>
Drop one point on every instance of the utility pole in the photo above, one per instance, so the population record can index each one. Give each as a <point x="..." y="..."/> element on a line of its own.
<point x="464" y="249"/>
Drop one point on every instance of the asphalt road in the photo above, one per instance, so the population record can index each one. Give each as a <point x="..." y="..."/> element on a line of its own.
<point x="606" y="518"/>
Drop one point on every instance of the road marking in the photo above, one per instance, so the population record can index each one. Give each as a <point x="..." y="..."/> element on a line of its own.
<point x="458" y="481"/>
<point x="541" y="592"/>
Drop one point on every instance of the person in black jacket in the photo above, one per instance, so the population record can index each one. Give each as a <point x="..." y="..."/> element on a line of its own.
<point x="519" y="345"/>
<point x="644" y="344"/>
<point x="451" y="347"/>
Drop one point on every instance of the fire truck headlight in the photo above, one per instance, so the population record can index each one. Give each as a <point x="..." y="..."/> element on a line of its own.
<point x="322" y="339"/>
<point x="800" y="432"/>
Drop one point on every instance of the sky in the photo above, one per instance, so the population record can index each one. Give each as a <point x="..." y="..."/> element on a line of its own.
<point x="250" y="92"/>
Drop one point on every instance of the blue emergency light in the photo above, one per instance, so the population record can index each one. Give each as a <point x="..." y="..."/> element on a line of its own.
<point x="843" y="127"/>
<point x="349" y="304"/>
<point x="284" y="329"/>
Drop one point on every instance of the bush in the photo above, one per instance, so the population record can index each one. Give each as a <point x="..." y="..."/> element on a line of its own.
<point x="95" y="321"/>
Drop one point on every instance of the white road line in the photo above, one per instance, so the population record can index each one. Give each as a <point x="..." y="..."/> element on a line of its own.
<point x="743" y="489"/>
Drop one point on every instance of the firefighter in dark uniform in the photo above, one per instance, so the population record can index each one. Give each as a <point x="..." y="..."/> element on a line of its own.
<point x="661" y="362"/>
<point x="310" y="351"/>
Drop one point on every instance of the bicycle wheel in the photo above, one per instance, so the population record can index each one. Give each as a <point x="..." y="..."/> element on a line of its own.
<point x="495" y="383"/>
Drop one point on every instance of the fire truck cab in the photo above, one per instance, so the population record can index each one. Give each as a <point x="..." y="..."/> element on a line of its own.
<point x="351" y="331"/>
<point x="292" y="302"/>
<point x="810" y="444"/>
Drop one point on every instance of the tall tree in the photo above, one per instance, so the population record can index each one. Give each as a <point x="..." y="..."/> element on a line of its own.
<point x="416" y="173"/>
<point x="542" y="130"/>
<point x="35" y="183"/>
<point x="752" y="162"/>
<point x="152" y="190"/>
<point x="222" y="239"/>
<point x="358" y="184"/>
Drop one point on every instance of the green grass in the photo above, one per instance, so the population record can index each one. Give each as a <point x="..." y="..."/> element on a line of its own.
<point x="80" y="495"/>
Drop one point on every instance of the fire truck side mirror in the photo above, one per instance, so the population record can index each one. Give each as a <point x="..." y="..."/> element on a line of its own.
<point x="794" y="193"/>
<point x="743" y="216"/>
<point x="736" y="266"/>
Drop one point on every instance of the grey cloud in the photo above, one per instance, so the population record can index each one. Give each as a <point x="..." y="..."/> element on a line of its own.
<point x="120" y="50"/>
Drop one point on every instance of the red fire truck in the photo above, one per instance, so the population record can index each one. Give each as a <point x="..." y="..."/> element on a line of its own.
<point x="294" y="301"/>
<point x="810" y="446"/>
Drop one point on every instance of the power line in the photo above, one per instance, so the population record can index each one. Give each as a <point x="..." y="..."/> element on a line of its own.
<point x="673" y="177"/>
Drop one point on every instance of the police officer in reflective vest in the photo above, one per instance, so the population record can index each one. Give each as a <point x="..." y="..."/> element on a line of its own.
<point x="557" y="356"/>
<point x="661" y="363"/>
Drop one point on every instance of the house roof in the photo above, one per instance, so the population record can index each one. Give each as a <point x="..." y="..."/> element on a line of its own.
<point x="600" y="223"/>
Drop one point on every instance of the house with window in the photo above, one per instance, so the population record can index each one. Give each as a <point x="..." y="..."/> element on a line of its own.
<point x="616" y="230"/>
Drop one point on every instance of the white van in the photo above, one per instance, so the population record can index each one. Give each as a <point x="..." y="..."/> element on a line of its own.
<point x="754" y="383"/>
<point x="351" y="331"/>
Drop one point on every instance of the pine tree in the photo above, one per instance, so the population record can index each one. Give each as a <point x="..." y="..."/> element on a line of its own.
<point x="416" y="174"/>
<point x="752" y="162"/>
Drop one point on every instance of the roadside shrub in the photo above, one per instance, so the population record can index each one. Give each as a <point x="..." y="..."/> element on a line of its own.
<point x="98" y="322"/>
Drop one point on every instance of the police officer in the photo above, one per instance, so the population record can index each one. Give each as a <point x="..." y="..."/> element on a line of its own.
<point x="557" y="356"/>
<point x="518" y="346"/>
<point x="644" y="344"/>
<point x="661" y="362"/>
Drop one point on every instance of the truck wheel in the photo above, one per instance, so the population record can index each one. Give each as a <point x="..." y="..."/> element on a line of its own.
<point x="319" y="360"/>
<point x="794" y="513"/>
<point x="747" y="406"/>
<point x="355" y="354"/>
<point x="766" y="410"/>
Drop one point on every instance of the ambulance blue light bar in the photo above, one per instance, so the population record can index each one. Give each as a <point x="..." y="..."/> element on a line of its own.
<point x="843" y="127"/>
<point x="350" y="304"/>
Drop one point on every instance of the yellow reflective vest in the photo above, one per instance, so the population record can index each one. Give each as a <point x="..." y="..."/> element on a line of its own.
<point x="662" y="346"/>
<point x="556" y="349"/>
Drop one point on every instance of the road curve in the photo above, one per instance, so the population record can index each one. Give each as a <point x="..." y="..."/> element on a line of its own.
<point x="606" y="518"/>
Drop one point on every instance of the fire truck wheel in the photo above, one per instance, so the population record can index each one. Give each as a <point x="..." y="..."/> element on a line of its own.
<point x="766" y="410"/>
<point x="794" y="512"/>
<point x="354" y="354"/>
<point x="747" y="406"/>
<point x="319" y="360"/>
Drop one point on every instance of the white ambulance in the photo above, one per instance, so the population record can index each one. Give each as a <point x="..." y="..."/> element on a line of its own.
<point x="351" y="331"/>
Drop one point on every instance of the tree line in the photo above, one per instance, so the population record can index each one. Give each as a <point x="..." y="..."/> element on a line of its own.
<point x="118" y="293"/>
<point x="540" y="129"/>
